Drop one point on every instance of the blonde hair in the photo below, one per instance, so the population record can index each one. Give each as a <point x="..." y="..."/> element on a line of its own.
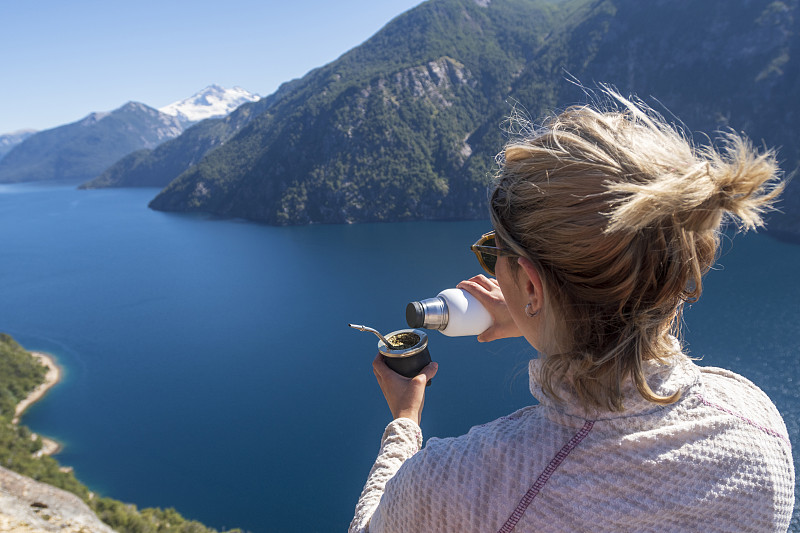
<point x="620" y="213"/>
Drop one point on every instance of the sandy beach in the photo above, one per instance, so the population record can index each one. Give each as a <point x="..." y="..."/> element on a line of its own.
<point x="51" y="378"/>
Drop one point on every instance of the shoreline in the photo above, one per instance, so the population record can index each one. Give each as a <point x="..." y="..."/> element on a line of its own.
<point x="51" y="378"/>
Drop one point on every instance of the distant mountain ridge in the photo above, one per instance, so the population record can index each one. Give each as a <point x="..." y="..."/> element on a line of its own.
<point x="406" y="125"/>
<point x="10" y="140"/>
<point x="157" y="167"/>
<point x="81" y="150"/>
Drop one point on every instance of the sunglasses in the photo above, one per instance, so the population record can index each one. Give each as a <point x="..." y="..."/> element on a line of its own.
<point x="487" y="252"/>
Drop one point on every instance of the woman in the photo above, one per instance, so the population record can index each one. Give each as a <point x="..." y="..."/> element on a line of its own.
<point x="604" y="224"/>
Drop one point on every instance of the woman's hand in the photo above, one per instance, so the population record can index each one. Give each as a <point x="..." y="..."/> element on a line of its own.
<point x="405" y="396"/>
<point x="487" y="291"/>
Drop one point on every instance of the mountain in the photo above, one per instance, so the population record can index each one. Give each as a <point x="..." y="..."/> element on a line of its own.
<point x="406" y="125"/>
<point x="10" y="140"/>
<point x="212" y="102"/>
<point x="81" y="150"/>
<point x="157" y="167"/>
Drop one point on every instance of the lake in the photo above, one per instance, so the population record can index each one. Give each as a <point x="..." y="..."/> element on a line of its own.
<point x="209" y="366"/>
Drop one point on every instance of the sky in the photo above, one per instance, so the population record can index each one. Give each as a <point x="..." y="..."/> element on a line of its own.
<point x="62" y="60"/>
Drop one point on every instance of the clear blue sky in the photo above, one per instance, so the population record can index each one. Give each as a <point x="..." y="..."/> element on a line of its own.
<point x="61" y="60"/>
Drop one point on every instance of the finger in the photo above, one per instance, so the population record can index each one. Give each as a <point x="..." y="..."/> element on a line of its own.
<point x="429" y="371"/>
<point x="385" y="374"/>
<point x="379" y="365"/>
<point x="483" y="281"/>
<point x="379" y="368"/>
<point x="471" y="286"/>
<point x="484" y="337"/>
<point x="426" y="374"/>
<point x="489" y="335"/>
<point x="478" y="279"/>
<point x="481" y="285"/>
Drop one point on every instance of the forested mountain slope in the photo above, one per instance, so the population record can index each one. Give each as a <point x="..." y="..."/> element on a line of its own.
<point x="406" y="125"/>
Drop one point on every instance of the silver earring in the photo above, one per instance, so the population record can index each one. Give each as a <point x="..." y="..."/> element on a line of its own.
<point x="528" y="311"/>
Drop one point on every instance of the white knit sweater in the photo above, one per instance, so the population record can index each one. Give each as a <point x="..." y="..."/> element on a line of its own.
<point x="719" y="459"/>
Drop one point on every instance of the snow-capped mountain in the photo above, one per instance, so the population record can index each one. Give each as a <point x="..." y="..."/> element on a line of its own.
<point x="213" y="101"/>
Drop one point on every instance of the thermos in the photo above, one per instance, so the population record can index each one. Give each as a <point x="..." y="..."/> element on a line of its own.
<point x="454" y="312"/>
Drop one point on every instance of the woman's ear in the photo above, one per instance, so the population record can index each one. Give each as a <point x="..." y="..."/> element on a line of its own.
<point x="531" y="282"/>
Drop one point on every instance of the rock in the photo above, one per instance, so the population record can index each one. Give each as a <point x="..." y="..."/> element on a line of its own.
<point x="28" y="506"/>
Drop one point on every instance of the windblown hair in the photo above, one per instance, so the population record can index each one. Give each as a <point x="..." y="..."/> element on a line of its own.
<point x="621" y="214"/>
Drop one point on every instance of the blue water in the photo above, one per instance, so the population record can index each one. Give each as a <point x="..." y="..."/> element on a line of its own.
<point x="209" y="366"/>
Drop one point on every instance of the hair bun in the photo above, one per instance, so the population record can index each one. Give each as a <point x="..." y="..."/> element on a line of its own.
<point x="736" y="181"/>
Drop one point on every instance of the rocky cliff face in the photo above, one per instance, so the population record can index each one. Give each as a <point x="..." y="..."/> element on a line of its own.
<point x="27" y="506"/>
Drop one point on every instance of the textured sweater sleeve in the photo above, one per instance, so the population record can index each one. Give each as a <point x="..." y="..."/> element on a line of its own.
<point x="402" y="438"/>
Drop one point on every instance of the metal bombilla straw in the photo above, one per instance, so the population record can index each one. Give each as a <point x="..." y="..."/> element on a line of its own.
<point x="375" y="331"/>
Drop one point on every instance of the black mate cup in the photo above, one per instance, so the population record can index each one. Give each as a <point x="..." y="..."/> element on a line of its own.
<point x="409" y="358"/>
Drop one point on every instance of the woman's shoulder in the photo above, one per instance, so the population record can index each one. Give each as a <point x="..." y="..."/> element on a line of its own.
<point x="527" y="416"/>
<point x="529" y="429"/>
<point x="730" y="392"/>
<point x="727" y="385"/>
